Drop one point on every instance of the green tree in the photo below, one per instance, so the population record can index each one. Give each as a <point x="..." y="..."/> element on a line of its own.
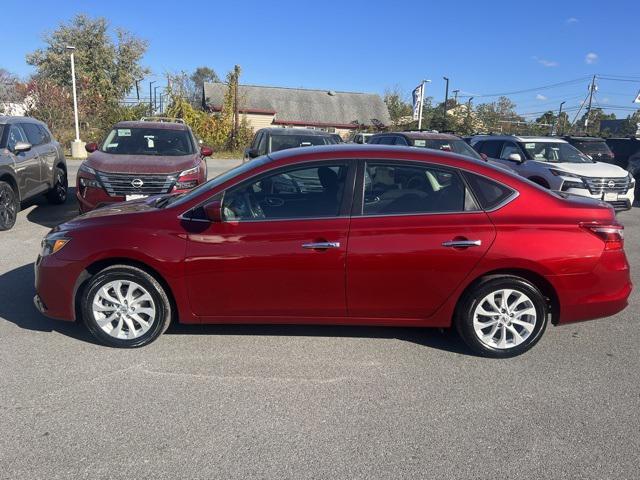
<point x="399" y="109"/>
<point x="498" y="116"/>
<point x="595" y="117"/>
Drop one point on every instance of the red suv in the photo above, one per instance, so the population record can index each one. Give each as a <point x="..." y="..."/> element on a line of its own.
<point x="363" y="235"/>
<point x="139" y="159"/>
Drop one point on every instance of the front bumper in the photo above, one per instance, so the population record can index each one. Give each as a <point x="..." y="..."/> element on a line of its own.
<point x="618" y="200"/>
<point x="55" y="283"/>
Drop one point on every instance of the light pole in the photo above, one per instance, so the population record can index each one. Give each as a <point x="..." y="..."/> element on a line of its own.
<point x="77" y="147"/>
<point x="446" y="100"/>
<point x="151" y="97"/>
<point x="424" y="82"/>
<point x="558" y="130"/>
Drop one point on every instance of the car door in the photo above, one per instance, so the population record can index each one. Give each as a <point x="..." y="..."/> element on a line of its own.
<point x="48" y="154"/>
<point x="280" y="251"/>
<point x="27" y="163"/>
<point x="415" y="235"/>
<point x="45" y="152"/>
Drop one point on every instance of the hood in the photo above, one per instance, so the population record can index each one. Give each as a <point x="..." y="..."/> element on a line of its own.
<point x="597" y="169"/>
<point x="112" y="210"/>
<point x="110" y="163"/>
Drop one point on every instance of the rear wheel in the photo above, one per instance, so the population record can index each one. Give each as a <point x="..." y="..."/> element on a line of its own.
<point x="9" y="206"/>
<point x="125" y="307"/>
<point x="502" y="316"/>
<point x="58" y="194"/>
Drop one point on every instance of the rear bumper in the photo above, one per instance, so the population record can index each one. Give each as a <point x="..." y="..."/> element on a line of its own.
<point x="600" y="293"/>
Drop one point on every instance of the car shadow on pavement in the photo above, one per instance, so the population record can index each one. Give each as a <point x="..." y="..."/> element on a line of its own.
<point x="49" y="215"/>
<point x="16" y="306"/>
<point x="441" y="339"/>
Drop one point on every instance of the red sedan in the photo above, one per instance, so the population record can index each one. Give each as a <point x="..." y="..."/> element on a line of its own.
<point x="361" y="235"/>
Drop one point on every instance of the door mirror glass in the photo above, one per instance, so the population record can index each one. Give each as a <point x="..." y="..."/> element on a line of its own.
<point x="213" y="211"/>
<point x="91" y="147"/>
<point x="21" y="147"/>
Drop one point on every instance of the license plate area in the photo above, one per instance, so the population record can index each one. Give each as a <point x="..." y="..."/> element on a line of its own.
<point x="134" y="197"/>
<point x="610" y="197"/>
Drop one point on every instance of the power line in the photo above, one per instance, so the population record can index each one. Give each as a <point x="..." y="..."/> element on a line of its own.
<point x="528" y="90"/>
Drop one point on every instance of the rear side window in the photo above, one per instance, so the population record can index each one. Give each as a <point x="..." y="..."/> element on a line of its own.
<point x="489" y="193"/>
<point x="34" y="133"/>
<point x="397" y="189"/>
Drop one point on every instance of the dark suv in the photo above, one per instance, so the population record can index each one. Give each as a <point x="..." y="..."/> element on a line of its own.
<point x="140" y="159"/>
<point x="595" y="147"/>
<point x="626" y="153"/>
<point x="273" y="139"/>
<point x="31" y="163"/>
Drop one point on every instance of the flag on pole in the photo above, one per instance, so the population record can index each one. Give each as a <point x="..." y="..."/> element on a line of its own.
<point x="418" y="96"/>
<point x="637" y="100"/>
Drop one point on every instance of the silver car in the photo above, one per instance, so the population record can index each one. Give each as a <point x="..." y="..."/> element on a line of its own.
<point x="31" y="163"/>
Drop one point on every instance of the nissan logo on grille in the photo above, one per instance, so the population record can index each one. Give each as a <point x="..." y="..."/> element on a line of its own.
<point x="136" y="182"/>
<point x="611" y="184"/>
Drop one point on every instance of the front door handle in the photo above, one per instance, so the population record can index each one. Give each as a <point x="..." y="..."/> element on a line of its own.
<point x="462" y="243"/>
<point x="321" y="245"/>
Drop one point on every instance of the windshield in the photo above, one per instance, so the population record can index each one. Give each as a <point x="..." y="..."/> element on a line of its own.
<point x="594" y="148"/>
<point x="219" y="180"/>
<point x="282" y="142"/>
<point x="554" y="152"/>
<point x="448" y="145"/>
<point x="148" y="141"/>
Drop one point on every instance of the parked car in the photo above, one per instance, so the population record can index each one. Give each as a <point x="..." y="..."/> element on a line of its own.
<point x="362" y="235"/>
<point x="139" y="159"/>
<point x="626" y="153"/>
<point x="360" y="138"/>
<point x="31" y="163"/>
<point x="552" y="163"/>
<point x="436" y="141"/>
<point x="337" y="137"/>
<point x="594" y="147"/>
<point x="274" y="139"/>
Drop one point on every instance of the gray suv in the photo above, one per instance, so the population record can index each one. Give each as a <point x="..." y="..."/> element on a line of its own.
<point x="31" y="163"/>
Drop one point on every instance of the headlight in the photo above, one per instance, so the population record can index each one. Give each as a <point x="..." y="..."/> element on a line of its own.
<point x="562" y="173"/>
<point x="53" y="243"/>
<point x="191" y="171"/>
<point x="86" y="168"/>
<point x="631" y="179"/>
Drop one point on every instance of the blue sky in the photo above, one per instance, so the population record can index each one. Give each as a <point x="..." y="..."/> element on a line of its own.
<point x="483" y="47"/>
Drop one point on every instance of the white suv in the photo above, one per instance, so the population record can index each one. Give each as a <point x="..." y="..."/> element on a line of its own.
<point x="553" y="163"/>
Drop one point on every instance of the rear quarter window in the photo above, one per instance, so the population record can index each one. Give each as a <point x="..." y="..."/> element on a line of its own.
<point x="490" y="194"/>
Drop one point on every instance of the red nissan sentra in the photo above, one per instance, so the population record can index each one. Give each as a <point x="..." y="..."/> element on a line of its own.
<point x="140" y="159"/>
<point x="362" y="235"/>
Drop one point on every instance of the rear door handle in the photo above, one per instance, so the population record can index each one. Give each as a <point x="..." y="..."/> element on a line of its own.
<point x="321" y="245"/>
<point x="462" y="243"/>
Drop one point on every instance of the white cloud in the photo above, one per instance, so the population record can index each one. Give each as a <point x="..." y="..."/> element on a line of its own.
<point x="545" y="62"/>
<point x="571" y="20"/>
<point x="540" y="97"/>
<point x="591" y="58"/>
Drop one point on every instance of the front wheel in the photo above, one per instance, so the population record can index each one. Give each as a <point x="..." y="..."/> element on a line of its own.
<point x="125" y="307"/>
<point x="9" y="206"/>
<point x="502" y="316"/>
<point x="58" y="194"/>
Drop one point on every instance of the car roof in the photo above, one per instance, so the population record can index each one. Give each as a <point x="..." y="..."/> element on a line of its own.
<point x="423" y="135"/>
<point x="520" y="138"/>
<point x="295" y="131"/>
<point x="585" y="139"/>
<point x="156" y="125"/>
<point x="8" y="119"/>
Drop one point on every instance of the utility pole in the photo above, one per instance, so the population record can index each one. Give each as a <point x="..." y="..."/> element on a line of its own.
<point x="446" y="100"/>
<point x="455" y="93"/>
<point x="592" y="89"/>
<point x="151" y="97"/>
<point x="137" y="90"/>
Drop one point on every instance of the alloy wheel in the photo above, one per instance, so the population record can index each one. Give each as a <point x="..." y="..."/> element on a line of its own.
<point x="8" y="208"/>
<point x="504" y="319"/>
<point x="123" y="309"/>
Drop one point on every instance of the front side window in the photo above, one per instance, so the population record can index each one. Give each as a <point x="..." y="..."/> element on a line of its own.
<point x="148" y="141"/>
<point x="491" y="148"/>
<point x="34" y="134"/>
<point x="509" y="149"/>
<point x="413" y="189"/>
<point x="308" y="192"/>
<point x="283" y="142"/>
<point x="15" y="135"/>
<point x="554" y="152"/>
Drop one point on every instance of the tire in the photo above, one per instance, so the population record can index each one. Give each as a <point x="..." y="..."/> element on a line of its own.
<point x="58" y="194"/>
<point x="9" y="206"/>
<point x="509" y="331"/>
<point x="147" y="311"/>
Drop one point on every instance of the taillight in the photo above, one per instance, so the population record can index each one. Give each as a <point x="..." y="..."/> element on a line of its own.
<point x="611" y="235"/>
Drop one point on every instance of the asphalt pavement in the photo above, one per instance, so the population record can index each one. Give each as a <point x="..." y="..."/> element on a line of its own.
<point x="244" y="402"/>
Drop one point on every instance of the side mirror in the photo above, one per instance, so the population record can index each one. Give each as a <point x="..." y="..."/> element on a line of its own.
<point x="251" y="153"/>
<point x="213" y="211"/>
<point x="484" y="157"/>
<point x="515" y="157"/>
<point x="91" y="147"/>
<point x="21" y="147"/>
<point x="206" y="151"/>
